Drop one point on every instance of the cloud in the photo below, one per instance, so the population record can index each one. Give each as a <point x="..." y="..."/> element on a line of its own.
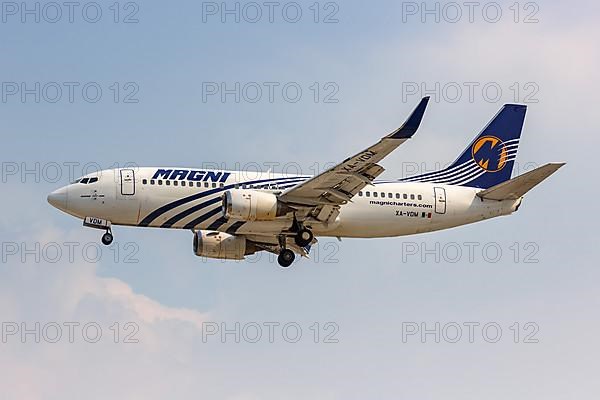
<point x="37" y="288"/>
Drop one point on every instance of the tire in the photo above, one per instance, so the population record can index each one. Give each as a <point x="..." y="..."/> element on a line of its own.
<point x="303" y="238"/>
<point x="286" y="258"/>
<point x="107" y="238"/>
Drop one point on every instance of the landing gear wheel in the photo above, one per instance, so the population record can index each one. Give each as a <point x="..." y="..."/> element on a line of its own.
<point x="286" y="258"/>
<point x="304" y="237"/>
<point x="107" y="238"/>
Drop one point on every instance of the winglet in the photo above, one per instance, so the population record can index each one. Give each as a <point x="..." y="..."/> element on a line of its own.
<point x="412" y="123"/>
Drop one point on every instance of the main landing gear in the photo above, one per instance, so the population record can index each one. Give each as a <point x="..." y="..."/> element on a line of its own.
<point x="286" y="258"/>
<point x="303" y="237"/>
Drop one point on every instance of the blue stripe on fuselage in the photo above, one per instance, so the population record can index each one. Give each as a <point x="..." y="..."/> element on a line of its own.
<point x="167" y="207"/>
<point x="198" y="207"/>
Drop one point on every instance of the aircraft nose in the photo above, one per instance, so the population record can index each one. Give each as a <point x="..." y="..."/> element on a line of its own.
<point x="58" y="198"/>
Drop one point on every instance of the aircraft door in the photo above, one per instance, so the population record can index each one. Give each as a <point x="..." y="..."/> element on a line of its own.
<point x="127" y="182"/>
<point x="127" y="203"/>
<point x="440" y="200"/>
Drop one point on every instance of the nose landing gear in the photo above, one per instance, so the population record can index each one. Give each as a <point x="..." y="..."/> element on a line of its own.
<point x="99" y="223"/>
<point x="107" y="238"/>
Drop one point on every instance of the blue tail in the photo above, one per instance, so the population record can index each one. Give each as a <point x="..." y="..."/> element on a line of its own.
<point x="490" y="157"/>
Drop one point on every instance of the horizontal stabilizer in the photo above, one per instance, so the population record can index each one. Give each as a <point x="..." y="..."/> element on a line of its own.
<point x="517" y="187"/>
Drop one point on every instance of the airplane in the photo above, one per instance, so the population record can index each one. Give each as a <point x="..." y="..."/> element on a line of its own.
<point x="233" y="215"/>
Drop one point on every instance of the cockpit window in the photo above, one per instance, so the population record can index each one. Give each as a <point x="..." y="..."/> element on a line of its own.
<point x="85" y="181"/>
<point x="76" y="181"/>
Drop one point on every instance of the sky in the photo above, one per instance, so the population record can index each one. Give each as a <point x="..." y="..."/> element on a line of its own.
<point x="503" y="308"/>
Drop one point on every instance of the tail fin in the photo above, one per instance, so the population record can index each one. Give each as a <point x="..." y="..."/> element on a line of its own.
<point x="489" y="159"/>
<point x="517" y="187"/>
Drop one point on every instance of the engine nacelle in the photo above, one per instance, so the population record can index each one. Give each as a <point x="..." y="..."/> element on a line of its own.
<point x="222" y="245"/>
<point x="249" y="205"/>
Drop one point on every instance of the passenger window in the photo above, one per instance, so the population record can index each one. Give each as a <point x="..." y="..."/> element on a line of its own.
<point x="175" y="183"/>
<point x="160" y="182"/>
<point x="206" y="184"/>
<point x="374" y="194"/>
<point x="390" y="195"/>
<point x="144" y="181"/>
<point x="236" y="186"/>
<point x="397" y="195"/>
<point x="412" y="196"/>
<point x="198" y="184"/>
<point x="405" y="196"/>
<point x="152" y="182"/>
<point x="420" y="197"/>
<point x="368" y="194"/>
<point x="383" y="195"/>
<point x="214" y="185"/>
<point x="168" y="183"/>
<point x="359" y="194"/>
<point x="221" y="185"/>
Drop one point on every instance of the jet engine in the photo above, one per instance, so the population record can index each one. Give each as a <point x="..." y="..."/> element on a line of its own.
<point x="222" y="245"/>
<point x="251" y="205"/>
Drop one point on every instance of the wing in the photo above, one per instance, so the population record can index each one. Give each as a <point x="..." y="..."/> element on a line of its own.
<point x="324" y="193"/>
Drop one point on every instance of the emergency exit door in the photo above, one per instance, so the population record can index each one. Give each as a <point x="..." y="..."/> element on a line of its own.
<point x="440" y="200"/>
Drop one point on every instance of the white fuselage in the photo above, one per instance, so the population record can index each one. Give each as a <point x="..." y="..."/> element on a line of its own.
<point x="191" y="199"/>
